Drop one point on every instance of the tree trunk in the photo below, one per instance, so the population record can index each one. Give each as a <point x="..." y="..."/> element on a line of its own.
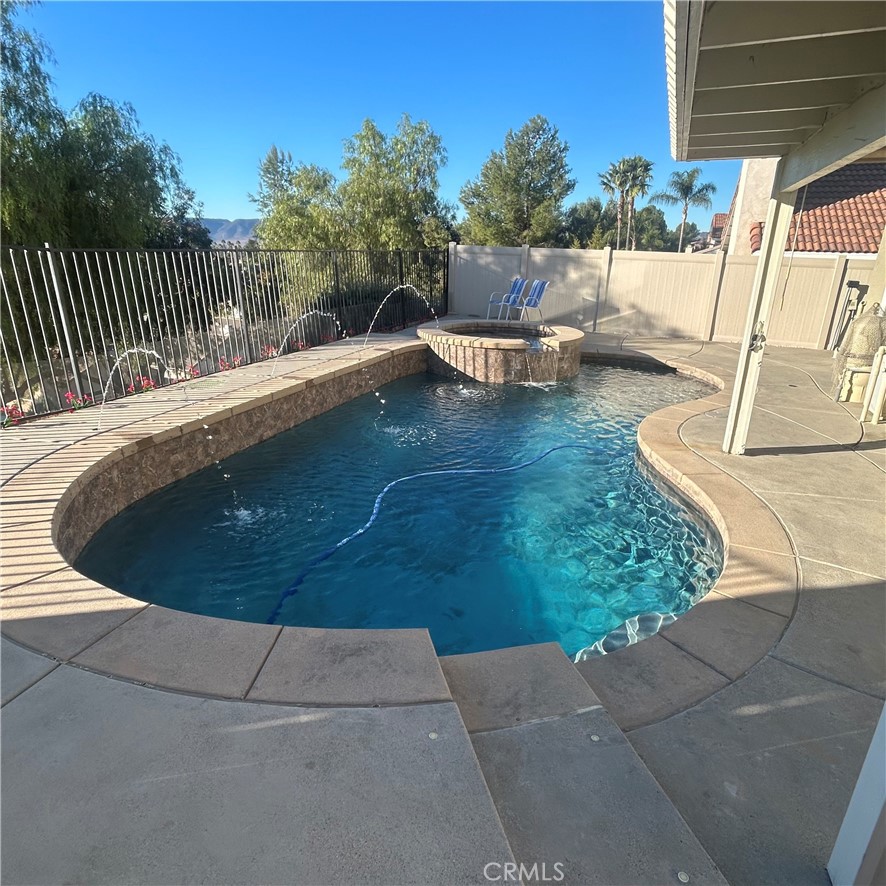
<point x="682" y="226"/>
<point x="618" y="211"/>
<point x="632" y="233"/>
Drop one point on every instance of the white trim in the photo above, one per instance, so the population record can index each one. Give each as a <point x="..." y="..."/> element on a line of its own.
<point x="850" y="135"/>
<point x="859" y="844"/>
<point x="799" y="253"/>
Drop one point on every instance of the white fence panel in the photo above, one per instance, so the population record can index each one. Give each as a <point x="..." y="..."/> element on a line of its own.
<point x="576" y="276"/>
<point x="662" y="293"/>
<point x="477" y="272"/>
<point x="804" y="303"/>
<point x="658" y="294"/>
<point x="735" y="295"/>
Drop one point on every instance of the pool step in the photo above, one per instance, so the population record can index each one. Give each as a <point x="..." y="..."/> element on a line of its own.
<point x="569" y="788"/>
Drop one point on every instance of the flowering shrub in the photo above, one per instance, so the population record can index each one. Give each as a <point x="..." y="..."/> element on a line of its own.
<point x="142" y="383"/>
<point x="268" y="351"/>
<point x="75" y="402"/>
<point x="193" y="370"/>
<point x="224" y="366"/>
<point x="10" y="415"/>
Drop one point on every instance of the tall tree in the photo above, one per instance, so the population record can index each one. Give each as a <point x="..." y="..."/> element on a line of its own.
<point x="685" y="190"/>
<point x="638" y="172"/>
<point x="121" y="187"/>
<point x="32" y="125"/>
<point x="581" y="220"/>
<point x="650" y="231"/>
<point x="300" y="204"/>
<point x="615" y="182"/>
<point x="91" y="178"/>
<point x="390" y="193"/>
<point x="387" y="201"/>
<point x="590" y="224"/>
<point x="179" y="227"/>
<point x="518" y="196"/>
<point x="274" y="177"/>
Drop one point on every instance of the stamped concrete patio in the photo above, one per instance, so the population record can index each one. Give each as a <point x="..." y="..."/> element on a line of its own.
<point x="729" y="744"/>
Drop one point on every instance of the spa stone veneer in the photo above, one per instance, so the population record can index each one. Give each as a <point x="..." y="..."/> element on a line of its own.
<point x="493" y="351"/>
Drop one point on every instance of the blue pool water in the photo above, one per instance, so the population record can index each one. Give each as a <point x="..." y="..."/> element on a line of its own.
<point x="564" y="550"/>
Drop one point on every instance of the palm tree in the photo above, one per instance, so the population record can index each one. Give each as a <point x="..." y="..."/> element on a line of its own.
<point x="639" y="178"/>
<point x="684" y="190"/>
<point x="615" y="181"/>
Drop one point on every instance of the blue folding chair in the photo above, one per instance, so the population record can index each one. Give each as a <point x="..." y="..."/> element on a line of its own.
<point x="533" y="300"/>
<point x="509" y="299"/>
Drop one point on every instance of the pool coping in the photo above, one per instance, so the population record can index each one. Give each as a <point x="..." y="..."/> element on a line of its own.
<point x="747" y="610"/>
<point x="50" y="608"/>
<point x="455" y="332"/>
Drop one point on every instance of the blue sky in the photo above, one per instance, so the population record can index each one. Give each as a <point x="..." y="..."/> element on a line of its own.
<point x="222" y="82"/>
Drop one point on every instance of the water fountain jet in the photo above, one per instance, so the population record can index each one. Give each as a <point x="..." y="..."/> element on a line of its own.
<point x="107" y="387"/>
<point x="295" y="326"/>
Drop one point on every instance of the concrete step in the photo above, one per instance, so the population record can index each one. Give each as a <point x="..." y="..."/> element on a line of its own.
<point x="105" y="781"/>
<point x="507" y="687"/>
<point x="571" y="792"/>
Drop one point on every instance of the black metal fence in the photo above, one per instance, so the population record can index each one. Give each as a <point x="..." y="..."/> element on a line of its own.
<point x="74" y="323"/>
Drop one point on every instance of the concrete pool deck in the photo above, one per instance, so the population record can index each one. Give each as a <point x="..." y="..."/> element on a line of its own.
<point x="754" y="724"/>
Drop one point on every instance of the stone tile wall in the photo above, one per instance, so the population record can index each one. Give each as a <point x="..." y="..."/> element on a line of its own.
<point x="211" y="438"/>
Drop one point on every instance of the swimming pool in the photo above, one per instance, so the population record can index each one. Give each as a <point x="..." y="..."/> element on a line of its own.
<point x="566" y="549"/>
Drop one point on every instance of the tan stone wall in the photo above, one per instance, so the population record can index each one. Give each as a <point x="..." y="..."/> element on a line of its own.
<point x="128" y="480"/>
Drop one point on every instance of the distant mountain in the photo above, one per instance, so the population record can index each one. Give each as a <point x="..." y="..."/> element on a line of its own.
<point x="237" y="231"/>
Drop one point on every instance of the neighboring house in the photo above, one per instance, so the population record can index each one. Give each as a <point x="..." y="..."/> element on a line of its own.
<point x="707" y="241"/>
<point x="718" y="223"/>
<point x="843" y="212"/>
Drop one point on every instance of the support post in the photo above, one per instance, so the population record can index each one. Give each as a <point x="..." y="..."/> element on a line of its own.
<point x="750" y="359"/>
<point x="877" y="288"/>
<point x="603" y="291"/>
<point x="401" y="295"/>
<point x="859" y="855"/>
<point x="451" y="268"/>
<point x="247" y="323"/>
<point x="524" y="261"/>
<point x="836" y="289"/>
<point x="63" y="317"/>
<point x="716" y="285"/>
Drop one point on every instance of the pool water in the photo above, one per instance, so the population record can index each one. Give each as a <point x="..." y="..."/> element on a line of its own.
<point x="565" y="550"/>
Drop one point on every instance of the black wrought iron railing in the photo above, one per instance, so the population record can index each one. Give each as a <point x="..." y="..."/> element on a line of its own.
<point x="67" y="317"/>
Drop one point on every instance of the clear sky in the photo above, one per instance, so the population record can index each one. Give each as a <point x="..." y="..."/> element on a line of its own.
<point x="222" y="82"/>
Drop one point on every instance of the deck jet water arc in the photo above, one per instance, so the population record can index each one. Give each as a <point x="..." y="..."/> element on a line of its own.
<point x="114" y="368"/>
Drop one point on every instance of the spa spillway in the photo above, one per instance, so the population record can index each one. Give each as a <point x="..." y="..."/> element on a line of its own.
<point x="504" y="352"/>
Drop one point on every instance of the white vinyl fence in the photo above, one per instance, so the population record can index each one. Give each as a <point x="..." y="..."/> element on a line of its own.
<point x="660" y="293"/>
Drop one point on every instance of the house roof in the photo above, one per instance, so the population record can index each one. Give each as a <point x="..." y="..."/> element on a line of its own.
<point x="844" y="211"/>
<point x="719" y="220"/>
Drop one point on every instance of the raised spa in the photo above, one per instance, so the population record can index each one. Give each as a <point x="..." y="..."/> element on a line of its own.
<point x="502" y="351"/>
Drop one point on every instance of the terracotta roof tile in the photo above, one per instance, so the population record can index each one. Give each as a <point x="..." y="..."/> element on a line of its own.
<point x="843" y="212"/>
